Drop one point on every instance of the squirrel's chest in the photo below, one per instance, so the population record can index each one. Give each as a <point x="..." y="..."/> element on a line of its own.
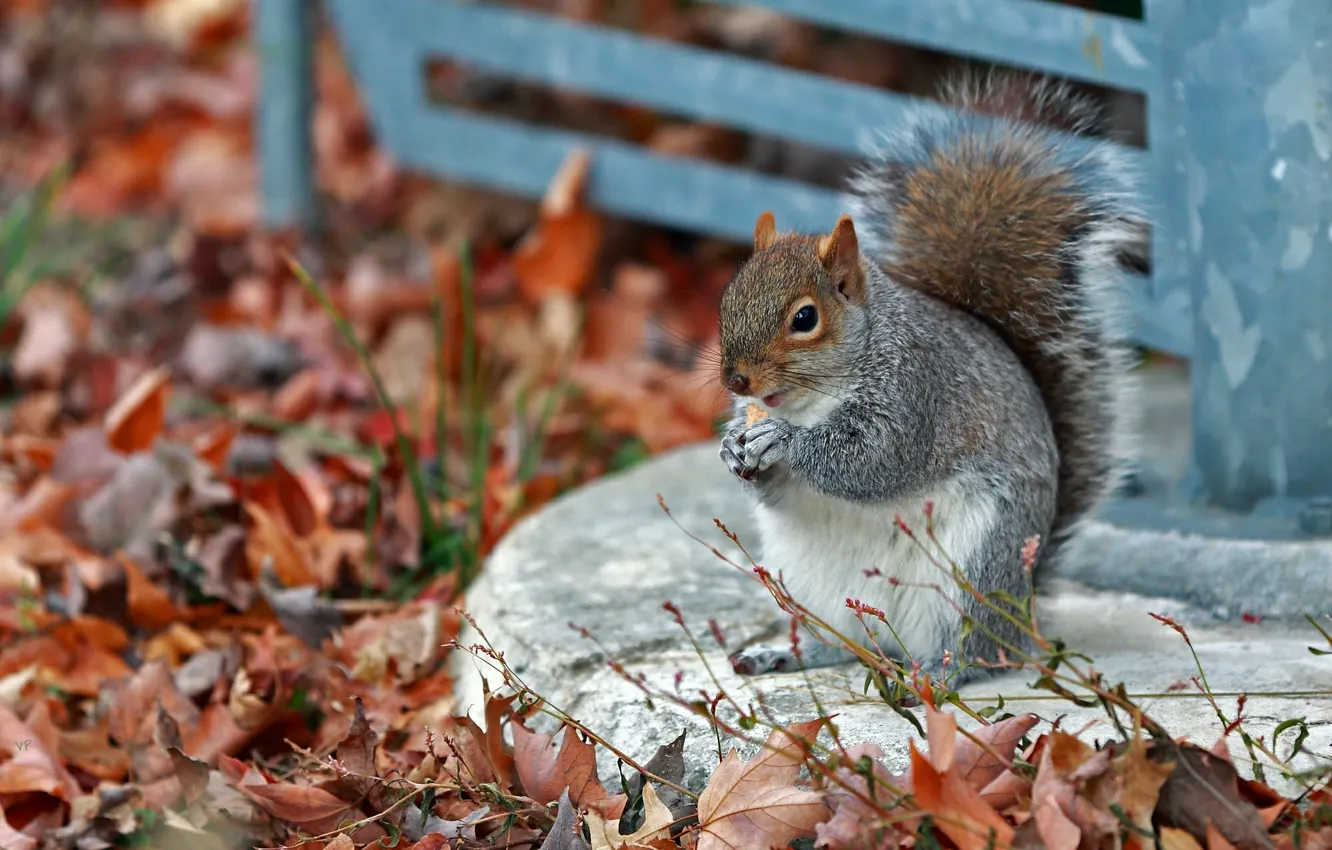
<point x="847" y="548"/>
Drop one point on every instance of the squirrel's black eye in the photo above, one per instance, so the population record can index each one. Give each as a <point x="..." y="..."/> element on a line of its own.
<point x="805" y="319"/>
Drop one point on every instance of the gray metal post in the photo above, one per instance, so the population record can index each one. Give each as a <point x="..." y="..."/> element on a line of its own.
<point x="1247" y="203"/>
<point x="284" y="37"/>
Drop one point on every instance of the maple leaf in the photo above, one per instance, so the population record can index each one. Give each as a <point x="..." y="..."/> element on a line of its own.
<point x="545" y="774"/>
<point x="1142" y="778"/>
<point x="756" y="803"/>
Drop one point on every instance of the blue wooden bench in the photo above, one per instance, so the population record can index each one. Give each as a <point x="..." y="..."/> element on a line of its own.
<point x="1236" y="172"/>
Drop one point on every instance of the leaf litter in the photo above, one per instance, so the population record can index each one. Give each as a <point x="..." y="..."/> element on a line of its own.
<point x="225" y="614"/>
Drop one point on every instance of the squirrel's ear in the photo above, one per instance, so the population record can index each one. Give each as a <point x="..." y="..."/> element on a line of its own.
<point x="839" y="252"/>
<point x="765" y="231"/>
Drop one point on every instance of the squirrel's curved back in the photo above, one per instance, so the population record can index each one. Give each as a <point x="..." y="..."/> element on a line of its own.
<point x="1026" y="229"/>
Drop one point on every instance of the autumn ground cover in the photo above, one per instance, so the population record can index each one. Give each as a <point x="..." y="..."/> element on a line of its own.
<point x="247" y="477"/>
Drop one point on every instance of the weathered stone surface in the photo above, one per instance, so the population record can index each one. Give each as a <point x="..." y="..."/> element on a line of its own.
<point x="607" y="558"/>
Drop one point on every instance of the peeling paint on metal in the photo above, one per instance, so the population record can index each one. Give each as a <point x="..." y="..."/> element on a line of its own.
<point x="1120" y="43"/>
<point x="1237" y="345"/>
<point x="1197" y="193"/>
<point x="1317" y="347"/>
<point x="1091" y="48"/>
<point x="1294" y="99"/>
<point x="1299" y="247"/>
<point x="1277" y="469"/>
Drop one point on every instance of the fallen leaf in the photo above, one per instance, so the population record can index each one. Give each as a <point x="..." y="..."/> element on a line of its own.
<point x="1203" y="791"/>
<point x="1142" y="778"/>
<point x="655" y="831"/>
<point x="559" y="255"/>
<point x="960" y="812"/>
<point x="137" y="418"/>
<point x="31" y="765"/>
<point x="756" y="803"/>
<point x="1174" y="838"/>
<point x="988" y="753"/>
<point x="545" y="774"/>
<point x="12" y="839"/>
<point x="301" y="611"/>
<point x="565" y="834"/>
<point x="269" y="539"/>
<point x="856" y="825"/>
<point x="149" y="605"/>
<point x="295" y="803"/>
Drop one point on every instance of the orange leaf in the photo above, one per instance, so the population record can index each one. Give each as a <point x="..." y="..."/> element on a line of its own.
<point x="1217" y="841"/>
<point x="149" y="605"/>
<point x="962" y="815"/>
<point x="560" y="254"/>
<point x="41" y="506"/>
<point x="136" y="419"/>
<point x="269" y="538"/>
<point x="295" y="803"/>
<point x="213" y="445"/>
<point x="297" y="505"/>
<point x="31" y="765"/>
<point x="545" y="774"/>
<point x="298" y="398"/>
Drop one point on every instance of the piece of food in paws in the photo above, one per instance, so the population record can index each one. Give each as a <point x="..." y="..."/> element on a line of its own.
<point x="754" y="413"/>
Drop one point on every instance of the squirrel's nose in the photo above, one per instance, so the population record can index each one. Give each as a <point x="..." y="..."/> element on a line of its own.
<point x="738" y="384"/>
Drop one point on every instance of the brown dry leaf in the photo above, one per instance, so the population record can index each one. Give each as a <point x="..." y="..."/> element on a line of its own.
<point x="149" y="605"/>
<point x="299" y="508"/>
<point x="133" y="706"/>
<point x="545" y="774"/>
<point x="270" y="539"/>
<point x="136" y="419"/>
<point x="961" y="813"/>
<point x="756" y="803"/>
<point x="1142" y="778"/>
<point x="1217" y="841"/>
<point x="405" y="645"/>
<point x="294" y="803"/>
<point x="12" y="839"/>
<point x="559" y="255"/>
<point x="53" y="323"/>
<point x="655" y="831"/>
<point x="854" y="824"/>
<point x="1077" y="781"/>
<point x="975" y="761"/>
<point x="1203" y="790"/>
<point x="1174" y="838"/>
<point x="31" y="765"/>
<point x="43" y="505"/>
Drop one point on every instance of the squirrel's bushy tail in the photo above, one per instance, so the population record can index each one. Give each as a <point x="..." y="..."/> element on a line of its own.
<point x="1026" y="228"/>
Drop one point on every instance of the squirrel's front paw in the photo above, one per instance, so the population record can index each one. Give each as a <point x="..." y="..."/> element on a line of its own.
<point x="763" y="445"/>
<point x="733" y="455"/>
<point x="757" y="660"/>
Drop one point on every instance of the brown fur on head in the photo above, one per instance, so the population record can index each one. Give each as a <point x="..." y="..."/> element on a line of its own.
<point x="769" y="344"/>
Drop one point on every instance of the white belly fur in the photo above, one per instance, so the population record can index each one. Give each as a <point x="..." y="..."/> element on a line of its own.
<point x="822" y="546"/>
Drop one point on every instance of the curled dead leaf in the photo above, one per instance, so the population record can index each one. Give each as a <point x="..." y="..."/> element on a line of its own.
<point x="137" y="418"/>
<point x="546" y="774"/>
<point x="756" y="803"/>
<point x="559" y="255"/>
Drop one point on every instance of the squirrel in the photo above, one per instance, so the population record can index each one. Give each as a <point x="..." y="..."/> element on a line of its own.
<point x="953" y="341"/>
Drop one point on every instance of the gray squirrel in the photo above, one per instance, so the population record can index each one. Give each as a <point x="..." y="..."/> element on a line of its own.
<point x="953" y="340"/>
